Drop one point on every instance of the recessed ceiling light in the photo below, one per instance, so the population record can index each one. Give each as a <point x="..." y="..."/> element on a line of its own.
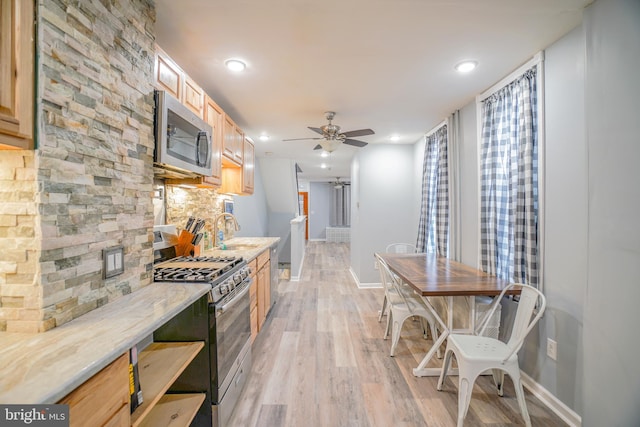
<point x="323" y="165"/>
<point x="395" y="138"/>
<point x="264" y="137"/>
<point x="235" y="64"/>
<point x="466" y="66"/>
<point x="324" y="154"/>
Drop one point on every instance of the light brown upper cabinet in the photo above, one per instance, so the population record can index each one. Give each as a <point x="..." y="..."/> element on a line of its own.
<point x="193" y="97"/>
<point x="169" y="76"/>
<point x="248" y="166"/>
<point x="16" y="74"/>
<point x="214" y="115"/>
<point x="233" y="143"/>
<point x="239" y="180"/>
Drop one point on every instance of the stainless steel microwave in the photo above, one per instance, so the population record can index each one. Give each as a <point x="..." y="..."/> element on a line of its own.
<point x="183" y="140"/>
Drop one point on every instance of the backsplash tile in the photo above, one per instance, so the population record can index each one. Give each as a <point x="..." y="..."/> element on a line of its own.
<point x="181" y="203"/>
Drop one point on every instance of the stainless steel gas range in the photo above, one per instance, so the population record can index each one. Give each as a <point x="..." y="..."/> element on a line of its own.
<point x="229" y="322"/>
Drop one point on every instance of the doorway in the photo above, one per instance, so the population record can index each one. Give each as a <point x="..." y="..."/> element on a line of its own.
<point x="303" y="201"/>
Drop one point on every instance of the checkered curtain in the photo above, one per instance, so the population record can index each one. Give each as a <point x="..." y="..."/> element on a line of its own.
<point x="433" y="229"/>
<point x="509" y="182"/>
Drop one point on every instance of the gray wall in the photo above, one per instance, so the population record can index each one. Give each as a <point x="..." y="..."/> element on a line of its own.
<point x="611" y="315"/>
<point x="469" y="207"/>
<point x="383" y="204"/>
<point x="565" y="233"/>
<point x="319" y="208"/>
<point x="251" y="211"/>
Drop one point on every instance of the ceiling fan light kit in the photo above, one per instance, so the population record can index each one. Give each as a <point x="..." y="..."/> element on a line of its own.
<point x="332" y="137"/>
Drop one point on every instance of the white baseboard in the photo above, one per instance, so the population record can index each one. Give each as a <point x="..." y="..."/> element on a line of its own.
<point x="364" y="285"/>
<point x="560" y="409"/>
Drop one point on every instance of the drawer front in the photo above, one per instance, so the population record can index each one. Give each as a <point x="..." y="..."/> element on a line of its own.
<point x="263" y="258"/>
<point x="253" y="266"/>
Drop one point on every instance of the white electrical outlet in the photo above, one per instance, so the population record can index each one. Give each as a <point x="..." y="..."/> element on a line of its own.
<point x="552" y="348"/>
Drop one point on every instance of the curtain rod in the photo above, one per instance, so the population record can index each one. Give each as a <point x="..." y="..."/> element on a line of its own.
<point x="537" y="59"/>
<point x="434" y="129"/>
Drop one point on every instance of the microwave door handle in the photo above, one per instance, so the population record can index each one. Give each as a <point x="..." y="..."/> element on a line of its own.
<point x="201" y="135"/>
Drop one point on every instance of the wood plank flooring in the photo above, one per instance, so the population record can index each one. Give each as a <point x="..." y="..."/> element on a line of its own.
<point x="321" y="360"/>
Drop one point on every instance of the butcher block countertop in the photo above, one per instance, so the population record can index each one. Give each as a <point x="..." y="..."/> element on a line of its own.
<point x="45" y="367"/>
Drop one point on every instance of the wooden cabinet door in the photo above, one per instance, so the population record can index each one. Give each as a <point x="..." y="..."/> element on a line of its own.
<point x="168" y="75"/>
<point x="16" y="74"/>
<point x="248" y="166"/>
<point x="214" y="115"/>
<point x="238" y="149"/>
<point x="193" y="97"/>
<point x="230" y="143"/>
<point x="100" y="400"/>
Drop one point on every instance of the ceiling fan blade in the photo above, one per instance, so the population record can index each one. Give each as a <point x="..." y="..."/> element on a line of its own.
<point x="300" y="139"/>
<point x="318" y="147"/>
<point x="359" y="132"/>
<point x="354" y="142"/>
<point x="316" y="130"/>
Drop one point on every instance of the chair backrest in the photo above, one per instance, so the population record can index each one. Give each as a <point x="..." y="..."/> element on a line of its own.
<point x="386" y="276"/>
<point x="523" y="322"/>
<point x="390" y="281"/>
<point x="401" y="248"/>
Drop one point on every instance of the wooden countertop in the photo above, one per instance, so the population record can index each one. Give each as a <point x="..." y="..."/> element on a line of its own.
<point x="45" y="367"/>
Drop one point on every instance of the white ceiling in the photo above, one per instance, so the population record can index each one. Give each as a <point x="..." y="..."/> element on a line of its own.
<point x="387" y="65"/>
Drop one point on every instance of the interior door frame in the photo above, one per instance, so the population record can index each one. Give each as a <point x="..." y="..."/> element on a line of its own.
<point x="305" y="210"/>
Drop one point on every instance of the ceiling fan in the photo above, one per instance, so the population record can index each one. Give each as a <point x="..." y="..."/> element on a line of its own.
<point x="332" y="137"/>
<point x="338" y="184"/>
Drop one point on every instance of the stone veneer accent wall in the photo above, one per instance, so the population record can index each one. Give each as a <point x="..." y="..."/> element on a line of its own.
<point x="94" y="159"/>
<point x="181" y="203"/>
<point x="20" y="293"/>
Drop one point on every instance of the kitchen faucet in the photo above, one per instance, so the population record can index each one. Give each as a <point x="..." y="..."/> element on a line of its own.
<point x="215" y="226"/>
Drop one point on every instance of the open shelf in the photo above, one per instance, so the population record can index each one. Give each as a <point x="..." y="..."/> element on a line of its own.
<point x="160" y="364"/>
<point x="174" y="410"/>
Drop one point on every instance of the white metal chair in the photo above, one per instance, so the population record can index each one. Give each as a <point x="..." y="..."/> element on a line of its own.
<point x="401" y="248"/>
<point x="476" y="354"/>
<point x="403" y="303"/>
<point x="395" y="248"/>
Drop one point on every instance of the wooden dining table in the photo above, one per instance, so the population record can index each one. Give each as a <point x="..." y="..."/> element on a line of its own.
<point x="431" y="275"/>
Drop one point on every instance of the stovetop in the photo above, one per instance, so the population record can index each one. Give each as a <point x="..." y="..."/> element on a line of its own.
<point x="224" y="274"/>
<point x="195" y="269"/>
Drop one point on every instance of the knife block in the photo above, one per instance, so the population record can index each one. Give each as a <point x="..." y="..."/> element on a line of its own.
<point x="184" y="246"/>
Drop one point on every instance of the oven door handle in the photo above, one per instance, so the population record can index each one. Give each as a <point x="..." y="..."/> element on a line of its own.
<point x="234" y="301"/>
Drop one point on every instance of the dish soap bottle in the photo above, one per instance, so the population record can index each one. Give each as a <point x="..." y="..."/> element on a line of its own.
<point x="220" y="240"/>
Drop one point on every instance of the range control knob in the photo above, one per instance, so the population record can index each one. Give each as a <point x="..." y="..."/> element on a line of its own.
<point x="224" y="289"/>
<point x="237" y="278"/>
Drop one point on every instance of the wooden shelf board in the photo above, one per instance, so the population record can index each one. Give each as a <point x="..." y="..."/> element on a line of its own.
<point x="160" y="364"/>
<point x="174" y="410"/>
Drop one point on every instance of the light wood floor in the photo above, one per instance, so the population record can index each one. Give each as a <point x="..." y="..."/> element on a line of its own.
<point x="321" y="361"/>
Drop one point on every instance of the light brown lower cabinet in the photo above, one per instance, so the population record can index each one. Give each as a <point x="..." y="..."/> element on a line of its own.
<point x="263" y="290"/>
<point x="103" y="399"/>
